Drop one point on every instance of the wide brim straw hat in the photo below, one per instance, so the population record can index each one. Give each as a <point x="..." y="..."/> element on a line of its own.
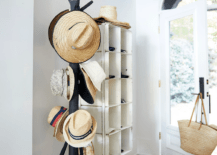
<point x="52" y="24"/>
<point x="75" y="36"/>
<point x="109" y="14"/>
<point x="56" y="119"/>
<point x="86" y="88"/>
<point x="81" y="126"/>
<point x="95" y="72"/>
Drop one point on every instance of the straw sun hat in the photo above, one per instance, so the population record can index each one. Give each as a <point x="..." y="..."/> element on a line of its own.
<point x="56" y="119"/>
<point x="109" y="14"/>
<point x="62" y="83"/>
<point x="79" y="129"/>
<point x="95" y="72"/>
<point x="86" y="88"/>
<point x="52" y="25"/>
<point x="75" y="36"/>
<point x="91" y="77"/>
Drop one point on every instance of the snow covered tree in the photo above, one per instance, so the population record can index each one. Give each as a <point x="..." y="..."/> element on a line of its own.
<point x="181" y="71"/>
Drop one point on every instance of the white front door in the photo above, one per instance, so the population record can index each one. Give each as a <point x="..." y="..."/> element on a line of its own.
<point x="184" y="60"/>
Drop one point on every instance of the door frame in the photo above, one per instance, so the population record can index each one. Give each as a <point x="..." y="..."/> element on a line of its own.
<point x="196" y="9"/>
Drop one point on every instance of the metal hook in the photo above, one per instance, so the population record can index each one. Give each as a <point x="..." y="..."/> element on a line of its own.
<point x="86" y="6"/>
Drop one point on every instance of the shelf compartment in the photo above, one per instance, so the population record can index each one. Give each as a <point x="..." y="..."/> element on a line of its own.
<point x="126" y="140"/>
<point x="113" y="64"/>
<point x="126" y="40"/>
<point x="97" y="57"/>
<point x="112" y="37"/>
<point x="113" y="144"/>
<point x="98" y="144"/>
<point x="96" y="112"/>
<point x="101" y="30"/>
<point x="112" y="119"/>
<point x="112" y="92"/>
<point x="126" y="65"/>
<point x="126" y="115"/>
<point x="127" y="90"/>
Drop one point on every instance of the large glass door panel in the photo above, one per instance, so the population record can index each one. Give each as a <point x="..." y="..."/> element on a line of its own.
<point x="184" y="59"/>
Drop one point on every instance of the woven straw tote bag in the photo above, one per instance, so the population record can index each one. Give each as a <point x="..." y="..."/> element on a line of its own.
<point x="197" y="138"/>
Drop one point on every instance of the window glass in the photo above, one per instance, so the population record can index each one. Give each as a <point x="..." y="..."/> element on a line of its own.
<point x="182" y="81"/>
<point x="210" y="2"/>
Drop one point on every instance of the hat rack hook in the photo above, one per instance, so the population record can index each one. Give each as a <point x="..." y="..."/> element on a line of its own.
<point x="75" y="5"/>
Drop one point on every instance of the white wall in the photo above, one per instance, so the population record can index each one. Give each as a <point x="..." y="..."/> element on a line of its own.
<point x="16" y="85"/>
<point x="147" y="64"/>
<point x="46" y="60"/>
<point x="16" y="63"/>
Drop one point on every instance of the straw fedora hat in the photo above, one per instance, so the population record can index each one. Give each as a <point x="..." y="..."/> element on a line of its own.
<point x="62" y="83"/>
<point x="86" y="88"/>
<point x="95" y="72"/>
<point x="109" y="14"/>
<point x="79" y="128"/>
<point x="74" y="35"/>
<point x="56" y="119"/>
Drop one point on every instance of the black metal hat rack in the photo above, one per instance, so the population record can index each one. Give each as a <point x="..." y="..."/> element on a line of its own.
<point x="73" y="103"/>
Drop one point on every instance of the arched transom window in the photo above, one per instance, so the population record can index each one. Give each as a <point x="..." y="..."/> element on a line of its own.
<point x="171" y="4"/>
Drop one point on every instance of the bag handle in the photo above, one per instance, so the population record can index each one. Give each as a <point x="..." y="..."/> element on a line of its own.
<point x="199" y="96"/>
<point x="203" y="109"/>
<point x="196" y="112"/>
<point x="196" y="102"/>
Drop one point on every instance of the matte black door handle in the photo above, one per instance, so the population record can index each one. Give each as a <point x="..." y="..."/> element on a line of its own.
<point x="210" y="104"/>
<point x="201" y="86"/>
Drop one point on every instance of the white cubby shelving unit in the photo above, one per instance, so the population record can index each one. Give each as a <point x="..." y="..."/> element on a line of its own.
<point x="114" y="119"/>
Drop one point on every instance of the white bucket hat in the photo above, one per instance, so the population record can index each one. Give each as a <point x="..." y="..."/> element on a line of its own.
<point x="95" y="72"/>
<point x="62" y="83"/>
